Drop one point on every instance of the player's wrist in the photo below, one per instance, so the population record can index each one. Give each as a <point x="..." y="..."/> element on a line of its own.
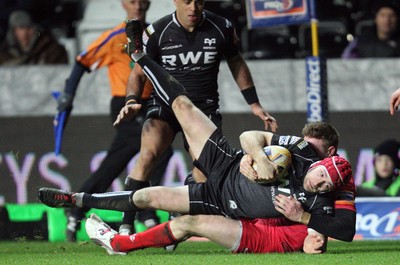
<point x="132" y="99"/>
<point x="250" y="95"/>
<point x="305" y="218"/>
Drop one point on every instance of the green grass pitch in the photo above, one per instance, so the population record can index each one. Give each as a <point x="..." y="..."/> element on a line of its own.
<point x="41" y="252"/>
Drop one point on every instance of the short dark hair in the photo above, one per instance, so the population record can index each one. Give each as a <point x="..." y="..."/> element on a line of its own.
<point x="388" y="4"/>
<point x="322" y="130"/>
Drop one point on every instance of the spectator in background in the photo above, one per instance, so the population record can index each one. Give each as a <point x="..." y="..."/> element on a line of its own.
<point x="387" y="166"/>
<point x="26" y="43"/>
<point x="382" y="40"/>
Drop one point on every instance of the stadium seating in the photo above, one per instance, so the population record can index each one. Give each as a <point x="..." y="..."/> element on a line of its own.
<point x="332" y="39"/>
<point x="268" y="43"/>
<point x="363" y="25"/>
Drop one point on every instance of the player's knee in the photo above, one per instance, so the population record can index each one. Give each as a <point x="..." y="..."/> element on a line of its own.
<point x="142" y="198"/>
<point x="187" y="223"/>
<point x="182" y="104"/>
<point x="147" y="157"/>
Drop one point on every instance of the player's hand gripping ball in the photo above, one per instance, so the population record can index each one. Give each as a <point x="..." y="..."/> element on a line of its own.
<point x="279" y="155"/>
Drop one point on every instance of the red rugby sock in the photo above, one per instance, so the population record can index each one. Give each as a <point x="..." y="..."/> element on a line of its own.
<point x="158" y="236"/>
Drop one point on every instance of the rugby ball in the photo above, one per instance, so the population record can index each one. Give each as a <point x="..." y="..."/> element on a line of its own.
<point x="279" y="155"/>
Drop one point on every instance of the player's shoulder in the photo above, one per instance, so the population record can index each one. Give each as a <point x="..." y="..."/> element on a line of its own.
<point x="288" y="140"/>
<point x="217" y="20"/>
<point x="214" y="17"/>
<point x="160" y="24"/>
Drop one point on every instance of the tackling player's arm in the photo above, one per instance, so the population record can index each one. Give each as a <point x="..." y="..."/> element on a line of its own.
<point x="341" y="226"/>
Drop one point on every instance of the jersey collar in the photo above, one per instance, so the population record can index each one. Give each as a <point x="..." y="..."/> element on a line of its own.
<point x="175" y="20"/>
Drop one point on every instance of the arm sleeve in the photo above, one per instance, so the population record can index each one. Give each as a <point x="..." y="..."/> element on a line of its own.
<point x="232" y="41"/>
<point x="341" y="226"/>
<point x="71" y="85"/>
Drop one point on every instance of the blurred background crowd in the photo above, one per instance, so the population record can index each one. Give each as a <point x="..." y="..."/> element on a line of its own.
<point x="341" y="23"/>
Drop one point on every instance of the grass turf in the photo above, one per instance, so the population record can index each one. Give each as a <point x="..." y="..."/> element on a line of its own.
<point x="40" y="252"/>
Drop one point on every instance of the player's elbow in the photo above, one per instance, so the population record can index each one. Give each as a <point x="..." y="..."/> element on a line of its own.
<point x="348" y="235"/>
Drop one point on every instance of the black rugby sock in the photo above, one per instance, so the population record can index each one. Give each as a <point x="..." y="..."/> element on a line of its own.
<point x="165" y="85"/>
<point x="132" y="184"/>
<point x="118" y="201"/>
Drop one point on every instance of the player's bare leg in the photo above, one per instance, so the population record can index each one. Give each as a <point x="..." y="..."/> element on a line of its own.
<point x="155" y="139"/>
<point x="223" y="231"/>
<point x="196" y="126"/>
<point x="164" y="198"/>
<point x="173" y="199"/>
<point x="219" y="229"/>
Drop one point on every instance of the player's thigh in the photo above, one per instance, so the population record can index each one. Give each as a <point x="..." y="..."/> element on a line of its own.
<point x="196" y="126"/>
<point x="173" y="199"/>
<point x="221" y="230"/>
<point x="157" y="135"/>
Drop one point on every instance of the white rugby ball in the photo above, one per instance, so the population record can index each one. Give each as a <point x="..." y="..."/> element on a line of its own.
<point x="279" y="155"/>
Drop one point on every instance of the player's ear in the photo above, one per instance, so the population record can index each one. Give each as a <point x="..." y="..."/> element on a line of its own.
<point x="331" y="151"/>
<point x="148" y="5"/>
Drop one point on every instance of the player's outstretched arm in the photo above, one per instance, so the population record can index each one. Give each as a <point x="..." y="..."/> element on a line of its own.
<point x="127" y="112"/>
<point x="134" y="90"/>
<point x="241" y="73"/>
<point x="269" y="121"/>
<point x="394" y="101"/>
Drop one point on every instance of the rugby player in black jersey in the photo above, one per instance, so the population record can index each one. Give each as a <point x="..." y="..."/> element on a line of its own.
<point x="189" y="44"/>
<point x="227" y="192"/>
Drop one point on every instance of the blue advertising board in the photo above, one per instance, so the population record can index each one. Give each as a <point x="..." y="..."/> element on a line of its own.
<point x="378" y="218"/>
<point x="265" y="13"/>
<point x="316" y="89"/>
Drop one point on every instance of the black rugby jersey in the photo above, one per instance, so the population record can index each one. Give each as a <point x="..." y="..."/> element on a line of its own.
<point x="238" y="197"/>
<point x="303" y="155"/>
<point x="193" y="58"/>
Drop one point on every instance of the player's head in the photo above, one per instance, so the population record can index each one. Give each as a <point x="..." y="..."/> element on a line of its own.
<point x="136" y="9"/>
<point x="323" y="136"/>
<point x="189" y="12"/>
<point x="328" y="174"/>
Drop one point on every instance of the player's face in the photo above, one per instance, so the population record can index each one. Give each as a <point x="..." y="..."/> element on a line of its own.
<point x="319" y="145"/>
<point x="317" y="180"/>
<point x="136" y="9"/>
<point x="189" y="13"/>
